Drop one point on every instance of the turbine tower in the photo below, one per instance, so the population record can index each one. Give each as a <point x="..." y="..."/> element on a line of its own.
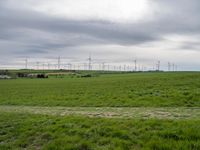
<point x="37" y="65"/>
<point x="59" y="63"/>
<point x="169" y="66"/>
<point x="90" y="62"/>
<point x="135" y="62"/>
<point x="26" y="63"/>
<point x="173" y="65"/>
<point x="158" y="65"/>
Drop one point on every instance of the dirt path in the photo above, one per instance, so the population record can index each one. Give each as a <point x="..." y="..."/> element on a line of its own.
<point x="111" y="112"/>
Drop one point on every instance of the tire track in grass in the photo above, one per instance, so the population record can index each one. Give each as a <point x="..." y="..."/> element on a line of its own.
<point x="110" y="112"/>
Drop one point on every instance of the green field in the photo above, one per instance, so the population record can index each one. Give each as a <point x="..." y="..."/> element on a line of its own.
<point x="26" y="131"/>
<point x="139" y="89"/>
<point x="124" y="111"/>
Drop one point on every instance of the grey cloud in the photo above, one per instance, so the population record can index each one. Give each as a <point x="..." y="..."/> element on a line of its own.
<point x="92" y="32"/>
<point x="95" y="32"/>
<point x="190" y="46"/>
<point x="31" y="32"/>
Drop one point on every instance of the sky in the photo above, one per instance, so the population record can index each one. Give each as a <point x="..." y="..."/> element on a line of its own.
<point x="111" y="31"/>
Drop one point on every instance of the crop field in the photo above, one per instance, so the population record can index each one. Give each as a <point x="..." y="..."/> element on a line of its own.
<point x="124" y="111"/>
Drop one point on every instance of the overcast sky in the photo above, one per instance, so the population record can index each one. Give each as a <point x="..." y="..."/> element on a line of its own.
<point x="112" y="31"/>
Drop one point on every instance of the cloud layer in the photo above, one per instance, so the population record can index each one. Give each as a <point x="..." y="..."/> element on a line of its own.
<point x="165" y="30"/>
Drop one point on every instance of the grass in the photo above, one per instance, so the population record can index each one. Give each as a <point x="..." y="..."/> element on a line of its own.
<point x="26" y="131"/>
<point x="158" y="111"/>
<point x="120" y="90"/>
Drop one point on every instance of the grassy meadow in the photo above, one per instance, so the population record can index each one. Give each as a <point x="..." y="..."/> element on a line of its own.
<point x="26" y="131"/>
<point x="127" y="111"/>
<point x="114" y="90"/>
